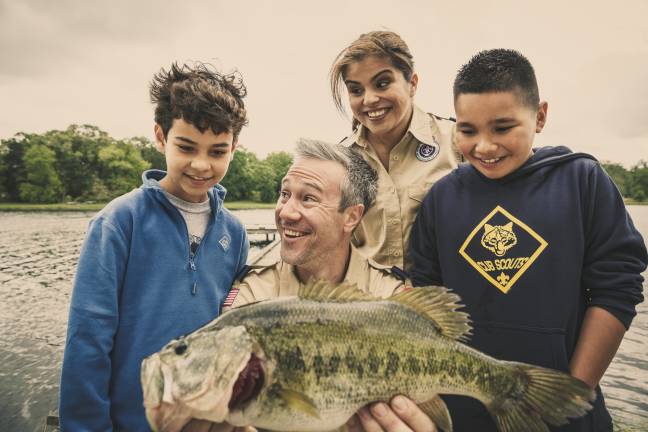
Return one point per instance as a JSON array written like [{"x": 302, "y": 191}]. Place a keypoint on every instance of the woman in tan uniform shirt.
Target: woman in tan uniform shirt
[{"x": 409, "y": 148}]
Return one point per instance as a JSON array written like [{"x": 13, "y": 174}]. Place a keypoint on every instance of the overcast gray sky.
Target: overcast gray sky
[{"x": 64, "y": 62}]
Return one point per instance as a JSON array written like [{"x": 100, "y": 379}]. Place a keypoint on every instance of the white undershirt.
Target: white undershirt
[{"x": 196, "y": 215}]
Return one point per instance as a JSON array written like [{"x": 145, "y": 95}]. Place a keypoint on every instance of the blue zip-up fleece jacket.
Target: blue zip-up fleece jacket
[
  {"x": 136, "y": 288},
  {"x": 528, "y": 254}
]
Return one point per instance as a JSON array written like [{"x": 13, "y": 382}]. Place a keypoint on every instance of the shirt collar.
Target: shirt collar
[
  {"x": 422, "y": 126},
  {"x": 288, "y": 275}
]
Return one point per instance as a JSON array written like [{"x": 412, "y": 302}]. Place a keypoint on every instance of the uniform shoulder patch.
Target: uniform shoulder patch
[{"x": 254, "y": 271}]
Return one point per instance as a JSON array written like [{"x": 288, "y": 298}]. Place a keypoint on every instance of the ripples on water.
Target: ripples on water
[{"x": 38, "y": 254}]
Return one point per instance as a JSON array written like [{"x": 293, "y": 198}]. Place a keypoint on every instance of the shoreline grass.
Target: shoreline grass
[
  {"x": 630, "y": 201},
  {"x": 95, "y": 207}
]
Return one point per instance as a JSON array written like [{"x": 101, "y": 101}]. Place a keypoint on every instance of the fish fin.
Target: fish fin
[
  {"x": 437, "y": 410},
  {"x": 320, "y": 290},
  {"x": 440, "y": 305},
  {"x": 299, "y": 402},
  {"x": 543, "y": 395}
]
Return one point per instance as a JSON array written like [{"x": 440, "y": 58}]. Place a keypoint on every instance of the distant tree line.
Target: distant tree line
[
  {"x": 83, "y": 163},
  {"x": 632, "y": 183}
]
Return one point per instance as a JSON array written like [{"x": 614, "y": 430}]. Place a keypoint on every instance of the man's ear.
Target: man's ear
[
  {"x": 541, "y": 116},
  {"x": 160, "y": 141},
  {"x": 352, "y": 217}
]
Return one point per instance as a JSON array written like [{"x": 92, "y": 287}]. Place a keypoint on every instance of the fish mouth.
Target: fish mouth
[
  {"x": 248, "y": 384},
  {"x": 167, "y": 417}
]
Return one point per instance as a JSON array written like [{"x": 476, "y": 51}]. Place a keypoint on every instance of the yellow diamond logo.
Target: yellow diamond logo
[{"x": 502, "y": 248}]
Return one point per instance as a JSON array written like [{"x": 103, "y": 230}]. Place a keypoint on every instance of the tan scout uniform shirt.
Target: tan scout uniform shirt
[
  {"x": 280, "y": 280},
  {"x": 383, "y": 233}
]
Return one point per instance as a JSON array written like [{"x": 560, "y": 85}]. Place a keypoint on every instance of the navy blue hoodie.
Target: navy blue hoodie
[{"x": 528, "y": 253}]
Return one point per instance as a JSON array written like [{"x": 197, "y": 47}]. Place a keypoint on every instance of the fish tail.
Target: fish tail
[{"x": 540, "y": 396}]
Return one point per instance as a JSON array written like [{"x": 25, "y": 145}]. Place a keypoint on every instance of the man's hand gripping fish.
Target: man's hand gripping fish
[{"x": 308, "y": 363}]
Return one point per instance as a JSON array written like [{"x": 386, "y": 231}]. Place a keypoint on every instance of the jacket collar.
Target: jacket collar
[{"x": 151, "y": 180}]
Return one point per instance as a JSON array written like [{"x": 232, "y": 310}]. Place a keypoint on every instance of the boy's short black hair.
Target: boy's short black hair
[
  {"x": 201, "y": 96},
  {"x": 498, "y": 70}
]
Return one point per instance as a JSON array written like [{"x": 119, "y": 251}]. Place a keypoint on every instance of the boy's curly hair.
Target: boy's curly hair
[{"x": 200, "y": 95}]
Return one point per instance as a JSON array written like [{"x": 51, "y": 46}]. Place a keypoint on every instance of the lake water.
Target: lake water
[{"x": 38, "y": 255}]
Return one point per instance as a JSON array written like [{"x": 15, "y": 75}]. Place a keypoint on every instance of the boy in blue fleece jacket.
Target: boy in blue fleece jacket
[
  {"x": 537, "y": 243},
  {"x": 158, "y": 261}
]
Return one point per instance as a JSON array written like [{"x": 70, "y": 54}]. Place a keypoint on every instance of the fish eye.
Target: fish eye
[{"x": 180, "y": 348}]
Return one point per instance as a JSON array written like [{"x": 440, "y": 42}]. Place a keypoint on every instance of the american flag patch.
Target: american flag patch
[{"x": 231, "y": 296}]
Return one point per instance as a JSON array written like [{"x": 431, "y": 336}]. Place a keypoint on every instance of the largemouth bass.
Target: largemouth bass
[{"x": 308, "y": 363}]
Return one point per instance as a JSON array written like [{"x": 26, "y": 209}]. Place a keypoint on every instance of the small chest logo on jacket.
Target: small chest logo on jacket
[
  {"x": 225, "y": 243},
  {"x": 501, "y": 248}
]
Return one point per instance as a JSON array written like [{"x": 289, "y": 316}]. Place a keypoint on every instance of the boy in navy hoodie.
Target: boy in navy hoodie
[
  {"x": 158, "y": 261},
  {"x": 537, "y": 242}
]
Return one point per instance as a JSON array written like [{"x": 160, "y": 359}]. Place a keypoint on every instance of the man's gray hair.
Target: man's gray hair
[{"x": 361, "y": 183}]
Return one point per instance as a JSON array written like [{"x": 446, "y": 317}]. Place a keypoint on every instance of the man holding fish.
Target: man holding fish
[
  {"x": 323, "y": 343},
  {"x": 323, "y": 197}
]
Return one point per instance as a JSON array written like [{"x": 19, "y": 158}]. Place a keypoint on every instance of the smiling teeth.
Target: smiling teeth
[
  {"x": 198, "y": 178},
  {"x": 490, "y": 161},
  {"x": 374, "y": 114},
  {"x": 292, "y": 233}
]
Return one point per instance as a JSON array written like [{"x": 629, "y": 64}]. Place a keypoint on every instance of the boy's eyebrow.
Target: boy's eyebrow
[
  {"x": 463, "y": 123},
  {"x": 496, "y": 121},
  {"x": 373, "y": 78},
  {"x": 504, "y": 120},
  {"x": 190, "y": 141}
]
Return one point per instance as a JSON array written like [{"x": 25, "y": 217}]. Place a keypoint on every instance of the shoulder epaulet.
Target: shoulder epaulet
[
  {"x": 241, "y": 274},
  {"x": 255, "y": 269},
  {"x": 399, "y": 273},
  {"x": 452, "y": 119}
]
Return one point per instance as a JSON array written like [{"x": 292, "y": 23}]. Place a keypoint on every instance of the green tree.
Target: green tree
[
  {"x": 42, "y": 184},
  {"x": 239, "y": 180},
  {"x": 121, "y": 167},
  {"x": 264, "y": 188},
  {"x": 149, "y": 152},
  {"x": 619, "y": 175},
  {"x": 639, "y": 181},
  {"x": 77, "y": 155},
  {"x": 279, "y": 162},
  {"x": 13, "y": 172}
]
